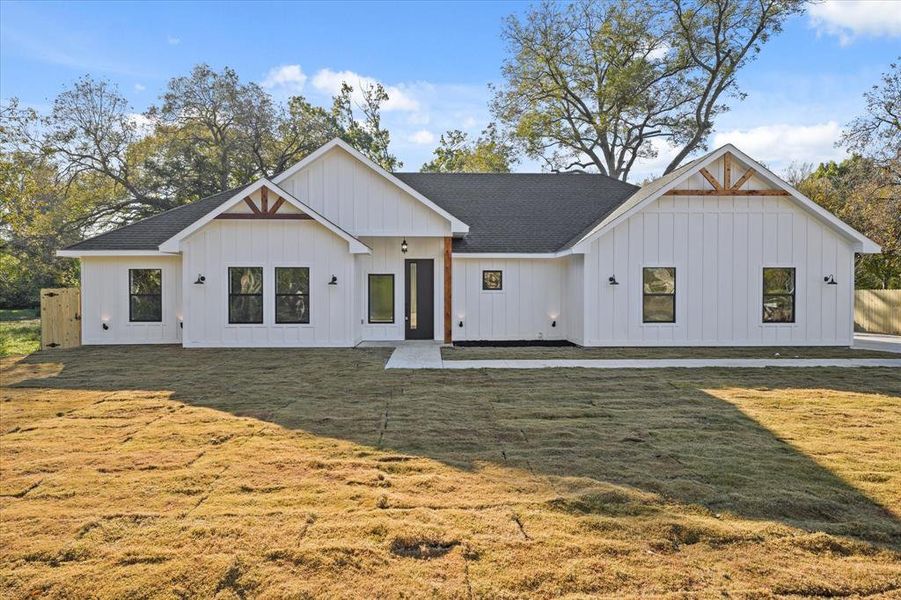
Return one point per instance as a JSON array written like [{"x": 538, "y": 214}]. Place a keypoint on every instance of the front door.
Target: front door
[{"x": 419, "y": 314}]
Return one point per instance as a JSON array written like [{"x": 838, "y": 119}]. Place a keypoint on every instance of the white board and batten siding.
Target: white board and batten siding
[
  {"x": 359, "y": 200},
  {"x": 719, "y": 247},
  {"x": 268, "y": 244},
  {"x": 105, "y": 298},
  {"x": 532, "y": 298}
]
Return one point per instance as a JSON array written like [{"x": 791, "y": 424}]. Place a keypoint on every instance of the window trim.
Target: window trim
[
  {"x": 369, "y": 299},
  {"x": 654, "y": 294},
  {"x": 131, "y": 318},
  {"x": 229, "y": 294},
  {"x": 500, "y": 273},
  {"x": 276, "y": 294},
  {"x": 793, "y": 295}
]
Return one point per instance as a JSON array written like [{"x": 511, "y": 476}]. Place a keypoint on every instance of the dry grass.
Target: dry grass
[
  {"x": 573, "y": 352},
  {"x": 163, "y": 472}
]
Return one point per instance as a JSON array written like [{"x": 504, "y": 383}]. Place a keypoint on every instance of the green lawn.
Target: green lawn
[
  {"x": 20, "y": 331},
  {"x": 161, "y": 472}
]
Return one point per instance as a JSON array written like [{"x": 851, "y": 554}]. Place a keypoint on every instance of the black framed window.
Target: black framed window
[
  {"x": 145, "y": 295},
  {"x": 292, "y": 295},
  {"x": 381, "y": 298},
  {"x": 658, "y": 295},
  {"x": 778, "y": 295},
  {"x": 492, "y": 280},
  {"x": 245, "y": 294}
]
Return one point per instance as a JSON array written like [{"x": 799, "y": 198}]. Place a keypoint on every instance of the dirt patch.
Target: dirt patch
[{"x": 421, "y": 548}]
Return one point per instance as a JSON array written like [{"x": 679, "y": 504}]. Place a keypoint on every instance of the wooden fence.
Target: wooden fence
[
  {"x": 877, "y": 311},
  {"x": 60, "y": 318}
]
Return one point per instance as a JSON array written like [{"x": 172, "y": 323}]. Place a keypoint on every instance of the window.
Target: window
[
  {"x": 292, "y": 295},
  {"x": 779, "y": 295},
  {"x": 145, "y": 295},
  {"x": 659, "y": 295},
  {"x": 492, "y": 280},
  {"x": 245, "y": 294},
  {"x": 381, "y": 298}
]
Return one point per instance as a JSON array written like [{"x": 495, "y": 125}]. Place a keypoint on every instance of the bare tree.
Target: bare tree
[{"x": 594, "y": 84}]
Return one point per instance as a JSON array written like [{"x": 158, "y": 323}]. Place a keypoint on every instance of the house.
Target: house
[{"x": 335, "y": 251}]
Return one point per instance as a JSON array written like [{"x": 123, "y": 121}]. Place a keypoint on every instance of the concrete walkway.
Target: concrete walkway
[
  {"x": 416, "y": 355},
  {"x": 673, "y": 363},
  {"x": 427, "y": 355},
  {"x": 878, "y": 341}
]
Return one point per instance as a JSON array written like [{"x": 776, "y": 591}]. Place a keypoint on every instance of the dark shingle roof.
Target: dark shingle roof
[
  {"x": 149, "y": 233},
  {"x": 506, "y": 212},
  {"x": 521, "y": 212}
]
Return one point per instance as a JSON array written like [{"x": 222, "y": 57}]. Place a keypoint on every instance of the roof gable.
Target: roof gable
[
  {"x": 173, "y": 243},
  {"x": 668, "y": 183},
  {"x": 456, "y": 225}
]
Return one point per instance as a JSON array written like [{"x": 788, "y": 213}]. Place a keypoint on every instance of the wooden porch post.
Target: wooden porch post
[{"x": 448, "y": 289}]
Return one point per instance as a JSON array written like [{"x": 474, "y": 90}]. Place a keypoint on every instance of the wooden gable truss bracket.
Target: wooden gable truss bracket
[
  {"x": 724, "y": 188},
  {"x": 264, "y": 211}
]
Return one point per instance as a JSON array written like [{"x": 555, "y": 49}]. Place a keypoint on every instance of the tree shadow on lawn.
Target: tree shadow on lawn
[{"x": 663, "y": 431}]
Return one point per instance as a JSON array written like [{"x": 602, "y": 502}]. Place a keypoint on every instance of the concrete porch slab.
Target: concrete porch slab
[{"x": 878, "y": 341}]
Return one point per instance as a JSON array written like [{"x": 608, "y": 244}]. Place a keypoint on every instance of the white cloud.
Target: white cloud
[
  {"x": 776, "y": 145},
  {"x": 139, "y": 87},
  {"x": 329, "y": 82},
  {"x": 848, "y": 19},
  {"x": 173, "y": 41},
  {"x": 423, "y": 136},
  {"x": 779, "y": 145},
  {"x": 142, "y": 123},
  {"x": 285, "y": 78}
]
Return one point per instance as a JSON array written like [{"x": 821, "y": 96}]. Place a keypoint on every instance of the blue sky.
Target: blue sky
[{"x": 436, "y": 59}]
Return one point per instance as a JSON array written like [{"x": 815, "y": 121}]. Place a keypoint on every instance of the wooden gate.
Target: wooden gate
[
  {"x": 877, "y": 311},
  {"x": 60, "y": 318}
]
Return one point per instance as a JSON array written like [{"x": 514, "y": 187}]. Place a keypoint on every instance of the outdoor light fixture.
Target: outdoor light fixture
[
  {"x": 553, "y": 323},
  {"x": 334, "y": 280},
  {"x": 460, "y": 324},
  {"x": 612, "y": 280},
  {"x": 105, "y": 326},
  {"x": 200, "y": 280},
  {"x": 404, "y": 246},
  {"x": 830, "y": 280}
]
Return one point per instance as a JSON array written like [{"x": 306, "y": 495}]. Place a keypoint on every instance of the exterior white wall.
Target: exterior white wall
[
  {"x": 268, "y": 244},
  {"x": 531, "y": 299},
  {"x": 719, "y": 246},
  {"x": 360, "y": 201},
  {"x": 574, "y": 289},
  {"x": 104, "y": 299},
  {"x": 387, "y": 258}
]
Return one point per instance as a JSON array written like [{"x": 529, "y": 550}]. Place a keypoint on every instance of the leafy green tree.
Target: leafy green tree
[
  {"x": 366, "y": 134},
  {"x": 92, "y": 163},
  {"x": 855, "y": 190},
  {"x": 877, "y": 134},
  {"x": 487, "y": 154},
  {"x": 594, "y": 84}
]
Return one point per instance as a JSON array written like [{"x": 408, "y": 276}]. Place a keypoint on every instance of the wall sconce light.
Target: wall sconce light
[
  {"x": 105, "y": 326},
  {"x": 460, "y": 324},
  {"x": 200, "y": 280},
  {"x": 553, "y": 323},
  {"x": 333, "y": 280},
  {"x": 612, "y": 280},
  {"x": 830, "y": 280},
  {"x": 403, "y": 246}
]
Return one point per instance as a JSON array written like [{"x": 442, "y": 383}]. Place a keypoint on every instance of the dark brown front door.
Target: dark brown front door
[{"x": 419, "y": 314}]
